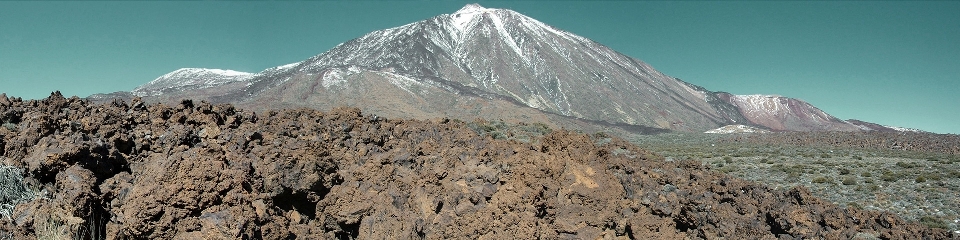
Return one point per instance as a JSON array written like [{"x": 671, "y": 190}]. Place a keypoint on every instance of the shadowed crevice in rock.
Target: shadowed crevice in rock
[{"x": 299, "y": 201}]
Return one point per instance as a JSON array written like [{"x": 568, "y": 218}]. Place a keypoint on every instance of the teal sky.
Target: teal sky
[{"x": 893, "y": 63}]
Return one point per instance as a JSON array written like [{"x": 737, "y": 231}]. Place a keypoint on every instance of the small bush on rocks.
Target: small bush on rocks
[
  {"x": 13, "y": 190},
  {"x": 822, "y": 179},
  {"x": 849, "y": 181}
]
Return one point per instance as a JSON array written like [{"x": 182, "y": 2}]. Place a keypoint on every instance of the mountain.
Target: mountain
[
  {"x": 494, "y": 64},
  {"x": 785, "y": 114}
]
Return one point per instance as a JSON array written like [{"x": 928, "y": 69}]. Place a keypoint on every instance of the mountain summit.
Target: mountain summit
[{"x": 489, "y": 63}]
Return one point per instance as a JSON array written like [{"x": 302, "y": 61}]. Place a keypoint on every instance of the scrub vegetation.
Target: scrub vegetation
[{"x": 876, "y": 171}]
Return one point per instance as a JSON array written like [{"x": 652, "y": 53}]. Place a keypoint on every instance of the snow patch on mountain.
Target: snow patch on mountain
[
  {"x": 903, "y": 129},
  {"x": 337, "y": 77},
  {"x": 737, "y": 129},
  {"x": 192, "y": 78},
  {"x": 760, "y": 103}
]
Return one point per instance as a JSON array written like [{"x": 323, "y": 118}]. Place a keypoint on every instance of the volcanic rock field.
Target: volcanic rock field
[{"x": 194, "y": 170}]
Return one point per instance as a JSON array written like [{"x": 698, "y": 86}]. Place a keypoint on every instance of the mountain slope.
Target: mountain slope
[
  {"x": 786, "y": 114},
  {"x": 481, "y": 62}
]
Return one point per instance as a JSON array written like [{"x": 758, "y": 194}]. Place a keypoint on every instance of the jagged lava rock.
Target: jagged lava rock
[{"x": 198, "y": 170}]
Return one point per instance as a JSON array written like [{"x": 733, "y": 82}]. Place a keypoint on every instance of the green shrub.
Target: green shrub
[
  {"x": 792, "y": 177},
  {"x": 953, "y": 174},
  {"x": 728, "y": 159},
  {"x": 824, "y": 155},
  {"x": 907, "y": 165},
  {"x": 481, "y": 127},
  {"x": 920, "y": 179},
  {"x": 822, "y": 179},
  {"x": 13, "y": 190},
  {"x": 498, "y": 135},
  {"x": 844, "y": 171},
  {"x": 10, "y": 126},
  {"x": 542, "y": 128},
  {"x": 849, "y": 181},
  {"x": 932, "y": 222},
  {"x": 866, "y": 174},
  {"x": 889, "y": 176}
]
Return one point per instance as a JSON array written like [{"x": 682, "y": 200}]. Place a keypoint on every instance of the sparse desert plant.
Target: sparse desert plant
[
  {"x": 13, "y": 190},
  {"x": 932, "y": 222},
  {"x": 920, "y": 179},
  {"x": 854, "y": 205},
  {"x": 52, "y": 229},
  {"x": 857, "y": 157},
  {"x": 792, "y": 177},
  {"x": 849, "y": 181},
  {"x": 889, "y": 176},
  {"x": 821, "y": 179},
  {"x": 844, "y": 171},
  {"x": 866, "y": 174},
  {"x": 498, "y": 135},
  {"x": 907, "y": 165},
  {"x": 953, "y": 174},
  {"x": 10, "y": 126},
  {"x": 933, "y": 176}
]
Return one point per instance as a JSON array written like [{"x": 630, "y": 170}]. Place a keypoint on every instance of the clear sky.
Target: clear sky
[{"x": 893, "y": 63}]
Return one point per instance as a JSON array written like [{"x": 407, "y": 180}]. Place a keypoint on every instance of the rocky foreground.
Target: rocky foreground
[{"x": 196, "y": 170}]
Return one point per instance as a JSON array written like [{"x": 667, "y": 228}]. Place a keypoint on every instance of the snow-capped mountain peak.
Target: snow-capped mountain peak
[{"x": 463, "y": 18}]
